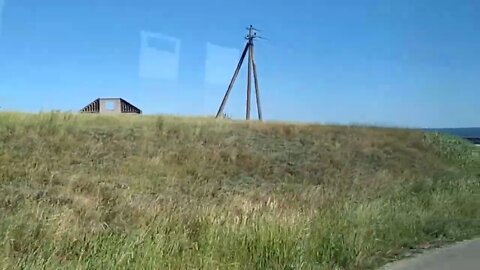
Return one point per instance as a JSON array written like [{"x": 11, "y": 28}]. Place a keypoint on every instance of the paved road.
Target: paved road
[{"x": 461, "y": 256}]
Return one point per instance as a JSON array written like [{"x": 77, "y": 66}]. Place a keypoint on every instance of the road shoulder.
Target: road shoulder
[{"x": 460, "y": 256}]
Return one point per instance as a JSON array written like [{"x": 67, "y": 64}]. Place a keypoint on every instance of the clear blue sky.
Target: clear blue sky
[{"x": 410, "y": 63}]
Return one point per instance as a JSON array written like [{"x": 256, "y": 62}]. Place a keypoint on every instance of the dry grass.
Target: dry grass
[{"x": 88, "y": 192}]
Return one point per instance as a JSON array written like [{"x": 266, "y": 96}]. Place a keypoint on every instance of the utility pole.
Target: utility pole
[{"x": 252, "y": 68}]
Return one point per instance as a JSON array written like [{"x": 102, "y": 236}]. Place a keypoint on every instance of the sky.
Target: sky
[{"x": 402, "y": 63}]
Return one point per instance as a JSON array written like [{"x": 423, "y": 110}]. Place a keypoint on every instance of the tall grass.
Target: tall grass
[{"x": 88, "y": 192}]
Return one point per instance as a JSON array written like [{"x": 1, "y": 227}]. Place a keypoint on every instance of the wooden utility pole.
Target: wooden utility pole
[
  {"x": 249, "y": 47},
  {"x": 257, "y": 88}
]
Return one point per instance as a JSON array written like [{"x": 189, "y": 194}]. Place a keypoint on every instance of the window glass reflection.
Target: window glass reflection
[{"x": 159, "y": 56}]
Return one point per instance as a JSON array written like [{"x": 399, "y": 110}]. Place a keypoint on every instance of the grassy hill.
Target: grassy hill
[{"x": 130, "y": 192}]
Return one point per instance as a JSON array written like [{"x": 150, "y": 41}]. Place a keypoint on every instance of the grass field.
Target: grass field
[{"x": 148, "y": 192}]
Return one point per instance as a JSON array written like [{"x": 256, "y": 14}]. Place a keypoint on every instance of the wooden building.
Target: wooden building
[{"x": 111, "y": 106}]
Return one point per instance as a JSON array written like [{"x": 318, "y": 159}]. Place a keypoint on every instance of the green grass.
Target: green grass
[{"x": 129, "y": 192}]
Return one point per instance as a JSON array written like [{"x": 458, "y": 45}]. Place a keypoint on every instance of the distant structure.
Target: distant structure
[
  {"x": 111, "y": 106},
  {"x": 252, "y": 68}
]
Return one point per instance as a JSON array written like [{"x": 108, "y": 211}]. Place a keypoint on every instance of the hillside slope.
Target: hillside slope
[{"x": 86, "y": 191}]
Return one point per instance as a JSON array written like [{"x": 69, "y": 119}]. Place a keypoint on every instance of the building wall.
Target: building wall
[{"x": 110, "y": 106}]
